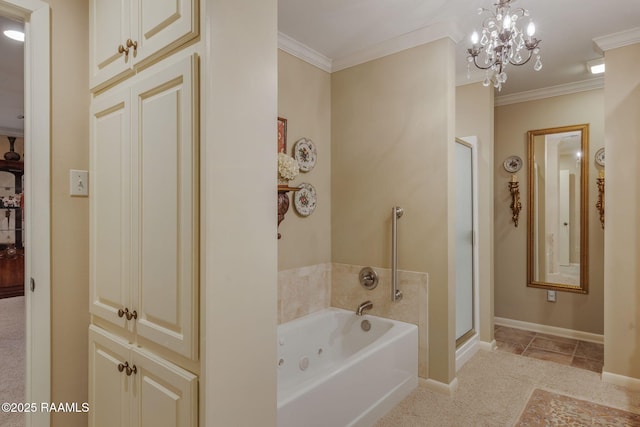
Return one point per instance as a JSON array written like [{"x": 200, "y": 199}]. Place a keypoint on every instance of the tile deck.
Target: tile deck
[{"x": 566, "y": 351}]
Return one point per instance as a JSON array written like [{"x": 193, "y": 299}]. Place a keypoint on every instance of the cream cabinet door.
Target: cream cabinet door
[
  {"x": 110, "y": 205},
  {"x": 159, "y": 26},
  {"x": 127, "y": 35},
  {"x": 110, "y": 27},
  {"x": 165, "y": 206},
  {"x": 109, "y": 389},
  {"x": 165, "y": 395}
]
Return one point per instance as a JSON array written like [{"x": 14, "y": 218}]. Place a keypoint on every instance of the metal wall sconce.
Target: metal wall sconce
[
  {"x": 516, "y": 206},
  {"x": 600, "y": 203},
  {"x": 283, "y": 202}
]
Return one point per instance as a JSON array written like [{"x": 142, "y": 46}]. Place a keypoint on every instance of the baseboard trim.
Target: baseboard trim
[
  {"x": 438, "y": 387},
  {"x": 466, "y": 351},
  {"x": 552, "y": 330},
  {"x": 620, "y": 380},
  {"x": 488, "y": 346}
]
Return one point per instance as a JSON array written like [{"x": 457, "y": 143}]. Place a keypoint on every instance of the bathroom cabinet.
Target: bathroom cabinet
[
  {"x": 144, "y": 269},
  {"x": 128, "y": 35},
  {"x": 144, "y": 278},
  {"x": 136, "y": 388}
]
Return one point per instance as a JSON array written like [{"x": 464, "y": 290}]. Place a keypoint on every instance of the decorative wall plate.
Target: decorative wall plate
[
  {"x": 305, "y": 153},
  {"x": 512, "y": 164},
  {"x": 304, "y": 200},
  {"x": 599, "y": 157}
]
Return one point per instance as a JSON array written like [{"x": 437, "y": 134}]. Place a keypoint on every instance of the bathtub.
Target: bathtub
[{"x": 332, "y": 373}]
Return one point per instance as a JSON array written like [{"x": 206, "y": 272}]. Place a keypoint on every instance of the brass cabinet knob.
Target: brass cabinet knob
[
  {"x": 122, "y": 367},
  {"x": 122, "y": 49},
  {"x": 120, "y": 312},
  {"x": 134, "y": 45},
  {"x": 131, "y": 370},
  {"x": 131, "y": 314}
]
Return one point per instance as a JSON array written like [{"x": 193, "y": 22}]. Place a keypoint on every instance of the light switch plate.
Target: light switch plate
[
  {"x": 78, "y": 183},
  {"x": 551, "y": 296}
]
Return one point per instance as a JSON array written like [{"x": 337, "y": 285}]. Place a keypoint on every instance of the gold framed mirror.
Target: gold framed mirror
[{"x": 557, "y": 220}]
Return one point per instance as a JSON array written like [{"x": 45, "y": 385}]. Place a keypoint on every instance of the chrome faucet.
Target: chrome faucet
[{"x": 367, "y": 305}]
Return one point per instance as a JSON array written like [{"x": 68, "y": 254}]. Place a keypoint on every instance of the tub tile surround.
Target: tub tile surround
[
  {"x": 303, "y": 291},
  {"x": 308, "y": 289}
]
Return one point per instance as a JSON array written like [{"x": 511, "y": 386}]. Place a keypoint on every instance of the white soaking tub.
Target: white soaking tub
[{"x": 332, "y": 373}]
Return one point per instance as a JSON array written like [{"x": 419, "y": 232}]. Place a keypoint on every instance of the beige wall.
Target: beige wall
[
  {"x": 392, "y": 144},
  {"x": 240, "y": 85},
  {"x": 622, "y": 235},
  {"x": 69, "y": 215},
  {"x": 513, "y": 299},
  {"x": 474, "y": 117},
  {"x": 304, "y": 99}
]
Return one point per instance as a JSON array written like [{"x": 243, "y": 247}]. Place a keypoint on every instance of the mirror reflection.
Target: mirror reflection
[{"x": 557, "y": 220}]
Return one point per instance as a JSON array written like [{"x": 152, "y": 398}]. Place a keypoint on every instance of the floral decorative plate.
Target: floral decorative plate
[
  {"x": 305, "y": 153},
  {"x": 599, "y": 157},
  {"x": 512, "y": 164},
  {"x": 304, "y": 200}
]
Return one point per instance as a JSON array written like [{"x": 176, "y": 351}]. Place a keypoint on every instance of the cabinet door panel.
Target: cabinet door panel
[
  {"x": 109, "y": 394},
  {"x": 110, "y": 27},
  {"x": 162, "y": 25},
  {"x": 110, "y": 220},
  {"x": 165, "y": 395},
  {"x": 166, "y": 207}
]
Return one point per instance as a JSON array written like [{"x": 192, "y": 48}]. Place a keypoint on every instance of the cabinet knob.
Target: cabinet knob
[
  {"x": 134, "y": 45},
  {"x": 120, "y": 312},
  {"x": 131, "y": 314},
  {"x": 122, "y": 49},
  {"x": 131, "y": 370},
  {"x": 122, "y": 367}
]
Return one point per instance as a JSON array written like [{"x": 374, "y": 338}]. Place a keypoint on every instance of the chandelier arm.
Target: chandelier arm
[
  {"x": 517, "y": 64},
  {"x": 475, "y": 62}
]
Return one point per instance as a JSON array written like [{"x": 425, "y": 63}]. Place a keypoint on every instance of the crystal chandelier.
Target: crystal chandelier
[{"x": 502, "y": 43}]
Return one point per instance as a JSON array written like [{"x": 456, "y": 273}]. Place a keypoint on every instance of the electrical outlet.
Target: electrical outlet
[
  {"x": 551, "y": 296},
  {"x": 78, "y": 183}
]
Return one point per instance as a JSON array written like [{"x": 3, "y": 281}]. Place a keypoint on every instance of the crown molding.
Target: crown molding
[
  {"x": 616, "y": 40},
  {"x": 304, "y": 52},
  {"x": 548, "y": 92},
  {"x": 406, "y": 41}
]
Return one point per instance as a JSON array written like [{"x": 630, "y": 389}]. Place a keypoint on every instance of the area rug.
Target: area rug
[{"x": 545, "y": 408}]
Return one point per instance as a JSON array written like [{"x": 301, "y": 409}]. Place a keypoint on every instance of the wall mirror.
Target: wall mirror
[{"x": 557, "y": 223}]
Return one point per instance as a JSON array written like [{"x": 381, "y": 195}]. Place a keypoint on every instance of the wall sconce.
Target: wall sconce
[
  {"x": 283, "y": 202},
  {"x": 600, "y": 203},
  {"x": 516, "y": 206}
]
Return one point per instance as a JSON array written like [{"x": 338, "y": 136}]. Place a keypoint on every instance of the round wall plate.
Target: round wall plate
[
  {"x": 512, "y": 164},
  {"x": 599, "y": 157},
  {"x": 368, "y": 278},
  {"x": 304, "y": 199}
]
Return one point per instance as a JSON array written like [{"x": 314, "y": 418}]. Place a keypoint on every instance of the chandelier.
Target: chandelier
[{"x": 502, "y": 42}]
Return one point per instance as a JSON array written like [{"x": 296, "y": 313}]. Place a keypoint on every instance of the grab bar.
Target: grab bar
[{"x": 396, "y": 213}]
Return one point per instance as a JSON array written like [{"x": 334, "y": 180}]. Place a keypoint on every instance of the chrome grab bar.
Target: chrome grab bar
[{"x": 396, "y": 213}]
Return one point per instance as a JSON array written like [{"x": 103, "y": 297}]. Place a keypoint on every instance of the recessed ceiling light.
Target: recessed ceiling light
[
  {"x": 15, "y": 35},
  {"x": 596, "y": 66}
]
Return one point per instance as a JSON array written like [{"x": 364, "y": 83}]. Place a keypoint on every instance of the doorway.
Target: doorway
[{"x": 37, "y": 237}]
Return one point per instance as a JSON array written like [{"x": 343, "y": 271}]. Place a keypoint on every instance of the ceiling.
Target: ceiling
[
  {"x": 11, "y": 80},
  {"x": 348, "y": 32}
]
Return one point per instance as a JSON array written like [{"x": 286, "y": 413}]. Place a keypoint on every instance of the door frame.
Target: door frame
[
  {"x": 37, "y": 190},
  {"x": 470, "y": 346}
]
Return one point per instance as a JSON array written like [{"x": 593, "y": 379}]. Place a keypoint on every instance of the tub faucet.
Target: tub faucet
[{"x": 367, "y": 305}]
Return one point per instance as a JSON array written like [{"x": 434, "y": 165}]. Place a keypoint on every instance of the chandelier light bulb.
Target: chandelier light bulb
[
  {"x": 506, "y": 24},
  {"x": 531, "y": 29},
  {"x": 474, "y": 38}
]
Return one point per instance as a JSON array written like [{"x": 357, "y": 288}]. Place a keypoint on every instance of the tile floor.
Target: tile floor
[{"x": 566, "y": 351}]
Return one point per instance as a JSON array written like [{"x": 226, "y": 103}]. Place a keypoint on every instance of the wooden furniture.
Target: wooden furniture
[{"x": 12, "y": 254}]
